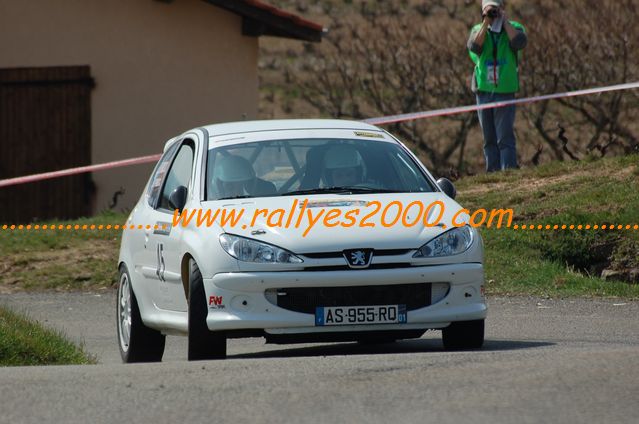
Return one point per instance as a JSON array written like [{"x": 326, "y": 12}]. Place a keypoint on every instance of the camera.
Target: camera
[{"x": 493, "y": 13}]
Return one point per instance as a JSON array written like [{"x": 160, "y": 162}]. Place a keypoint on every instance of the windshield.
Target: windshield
[{"x": 309, "y": 166}]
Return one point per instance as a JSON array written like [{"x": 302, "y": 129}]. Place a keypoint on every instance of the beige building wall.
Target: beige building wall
[{"x": 159, "y": 68}]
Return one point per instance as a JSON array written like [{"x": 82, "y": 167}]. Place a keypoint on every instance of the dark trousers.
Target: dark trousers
[{"x": 497, "y": 125}]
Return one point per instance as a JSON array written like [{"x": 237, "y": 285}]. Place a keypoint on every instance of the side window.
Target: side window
[
  {"x": 153, "y": 192},
  {"x": 179, "y": 174}
]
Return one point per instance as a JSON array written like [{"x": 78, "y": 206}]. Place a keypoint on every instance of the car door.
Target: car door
[
  {"x": 162, "y": 239},
  {"x": 145, "y": 261}
]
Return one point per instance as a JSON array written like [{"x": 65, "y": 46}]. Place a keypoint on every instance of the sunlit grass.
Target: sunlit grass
[{"x": 24, "y": 341}]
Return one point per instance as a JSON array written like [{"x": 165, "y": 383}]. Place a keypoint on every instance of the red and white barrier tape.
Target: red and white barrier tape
[
  {"x": 383, "y": 120},
  {"x": 79, "y": 170}
]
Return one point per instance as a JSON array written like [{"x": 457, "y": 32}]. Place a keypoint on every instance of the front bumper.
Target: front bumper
[{"x": 237, "y": 300}]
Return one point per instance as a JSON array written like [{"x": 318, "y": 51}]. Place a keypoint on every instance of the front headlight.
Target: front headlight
[
  {"x": 249, "y": 250},
  {"x": 452, "y": 242}
]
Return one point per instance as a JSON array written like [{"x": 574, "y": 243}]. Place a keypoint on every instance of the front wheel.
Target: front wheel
[
  {"x": 204, "y": 344},
  {"x": 464, "y": 335},
  {"x": 137, "y": 342}
]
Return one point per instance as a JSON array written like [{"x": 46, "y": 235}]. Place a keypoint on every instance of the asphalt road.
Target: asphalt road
[{"x": 544, "y": 361}]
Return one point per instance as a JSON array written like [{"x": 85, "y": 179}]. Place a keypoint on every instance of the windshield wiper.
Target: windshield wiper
[
  {"x": 339, "y": 190},
  {"x": 242, "y": 196},
  {"x": 357, "y": 189}
]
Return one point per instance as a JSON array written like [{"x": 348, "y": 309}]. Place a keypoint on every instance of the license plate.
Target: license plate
[{"x": 350, "y": 315}]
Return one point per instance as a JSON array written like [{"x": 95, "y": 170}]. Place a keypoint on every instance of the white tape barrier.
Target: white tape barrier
[
  {"x": 384, "y": 120},
  {"x": 79, "y": 170}
]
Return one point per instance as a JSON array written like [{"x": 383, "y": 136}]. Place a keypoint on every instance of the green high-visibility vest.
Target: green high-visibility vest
[{"x": 503, "y": 78}]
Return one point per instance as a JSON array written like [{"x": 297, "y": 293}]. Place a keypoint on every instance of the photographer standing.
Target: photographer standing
[{"x": 494, "y": 47}]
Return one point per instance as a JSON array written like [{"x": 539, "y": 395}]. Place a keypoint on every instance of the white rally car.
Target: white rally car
[{"x": 299, "y": 231}]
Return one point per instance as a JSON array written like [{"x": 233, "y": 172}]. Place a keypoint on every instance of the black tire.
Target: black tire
[
  {"x": 141, "y": 344},
  {"x": 464, "y": 335},
  {"x": 204, "y": 344}
]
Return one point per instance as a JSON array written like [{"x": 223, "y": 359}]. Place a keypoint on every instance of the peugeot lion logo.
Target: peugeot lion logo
[{"x": 358, "y": 258}]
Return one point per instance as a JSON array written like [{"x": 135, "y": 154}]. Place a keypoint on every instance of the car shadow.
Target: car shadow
[{"x": 400, "y": 347}]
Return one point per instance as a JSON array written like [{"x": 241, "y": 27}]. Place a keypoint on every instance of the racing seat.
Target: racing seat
[
  {"x": 260, "y": 187},
  {"x": 314, "y": 168}
]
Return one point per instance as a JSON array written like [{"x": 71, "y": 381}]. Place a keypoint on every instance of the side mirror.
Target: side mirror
[
  {"x": 447, "y": 187},
  {"x": 177, "y": 199}
]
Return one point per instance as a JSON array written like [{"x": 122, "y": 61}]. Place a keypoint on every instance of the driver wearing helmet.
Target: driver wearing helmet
[
  {"x": 232, "y": 176},
  {"x": 343, "y": 166}
]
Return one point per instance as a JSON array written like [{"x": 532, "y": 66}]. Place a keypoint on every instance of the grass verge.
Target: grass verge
[
  {"x": 24, "y": 341},
  {"x": 55, "y": 259},
  {"x": 561, "y": 262}
]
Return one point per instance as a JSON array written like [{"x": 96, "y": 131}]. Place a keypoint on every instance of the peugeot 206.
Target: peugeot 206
[{"x": 295, "y": 231}]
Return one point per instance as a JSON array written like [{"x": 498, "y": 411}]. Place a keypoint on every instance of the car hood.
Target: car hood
[{"x": 283, "y": 227}]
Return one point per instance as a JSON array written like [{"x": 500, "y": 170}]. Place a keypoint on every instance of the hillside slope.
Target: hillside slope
[{"x": 598, "y": 195}]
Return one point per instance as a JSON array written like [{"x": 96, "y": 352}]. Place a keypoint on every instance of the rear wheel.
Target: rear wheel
[
  {"x": 464, "y": 335},
  {"x": 137, "y": 342},
  {"x": 203, "y": 343}
]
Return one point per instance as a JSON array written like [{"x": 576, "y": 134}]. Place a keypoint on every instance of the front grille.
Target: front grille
[
  {"x": 306, "y": 299},
  {"x": 332, "y": 255},
  {"x": 348, "y": 268}
]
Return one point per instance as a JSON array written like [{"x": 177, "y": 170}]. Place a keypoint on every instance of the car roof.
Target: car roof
[
  {"x": 286, "y": 124},
  {"x": 248, "y": 127}
]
